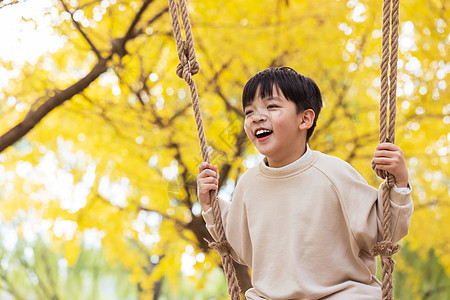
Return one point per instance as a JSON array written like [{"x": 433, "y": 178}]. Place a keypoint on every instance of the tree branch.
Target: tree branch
[
  {"x": 103, "y": 114},
  {"x": 77, "y": 25},
  {"x": 2, "y": 5},
  {"x": 9, "y": 287},
  {"x": 215, "y": 79},
  {"x": 42, "y": 287},
  {"x": 35, "y": 116},
  {"x": 152, "y": 20},
  {"x": 130, "y": 33},
  {"x": 119, "y": 44}
]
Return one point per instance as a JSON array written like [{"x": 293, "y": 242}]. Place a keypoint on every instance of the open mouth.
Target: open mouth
[{"x": 262, "y": 133}]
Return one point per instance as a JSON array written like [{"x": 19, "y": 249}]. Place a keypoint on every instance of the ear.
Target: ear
[{"x": 306, "y": 119}]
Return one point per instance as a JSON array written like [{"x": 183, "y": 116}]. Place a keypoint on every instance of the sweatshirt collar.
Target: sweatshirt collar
[{"x": 296, "y": 165}]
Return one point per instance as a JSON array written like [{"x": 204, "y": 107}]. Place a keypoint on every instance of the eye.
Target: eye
[
  {"x": 248, "y": 112},
  {"x": 272, "y": 106}
]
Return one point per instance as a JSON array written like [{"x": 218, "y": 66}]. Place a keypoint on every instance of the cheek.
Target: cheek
[
  {"x": 276, "y": 114},
  {"x": 286, "y": 125},
  {"x": 247, "y": 128}
]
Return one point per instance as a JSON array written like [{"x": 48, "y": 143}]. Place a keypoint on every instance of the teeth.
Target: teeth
[{"x": 262, "y": 131}]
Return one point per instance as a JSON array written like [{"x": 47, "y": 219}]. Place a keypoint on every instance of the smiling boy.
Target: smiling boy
[{"x": 303, "y": 221}]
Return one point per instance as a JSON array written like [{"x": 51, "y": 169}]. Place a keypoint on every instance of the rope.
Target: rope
[
  {"x": 389, "y": 58},
  {"x": 188, "y": 67}
]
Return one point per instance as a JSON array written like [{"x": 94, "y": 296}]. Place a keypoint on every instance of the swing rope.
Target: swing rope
[
  {"x": 389, "y": 58},
  {"x": 188, "y": 67}
]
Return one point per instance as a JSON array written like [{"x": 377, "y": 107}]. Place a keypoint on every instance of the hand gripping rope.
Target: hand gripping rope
[
  {"x": 389, "y": 58},
  {"x": 188, "y": 67}
]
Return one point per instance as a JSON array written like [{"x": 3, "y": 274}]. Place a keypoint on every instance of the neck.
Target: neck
[{"x": 286, "y": 160}]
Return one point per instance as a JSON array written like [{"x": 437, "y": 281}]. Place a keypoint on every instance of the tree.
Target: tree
[
  {"x": 107, "y": 114},
  {"x": 434, "y": 282},
  {"x": 30, "y": 269}
]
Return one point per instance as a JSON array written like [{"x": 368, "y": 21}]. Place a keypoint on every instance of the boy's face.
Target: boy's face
[{"x": 273, "y": 126}]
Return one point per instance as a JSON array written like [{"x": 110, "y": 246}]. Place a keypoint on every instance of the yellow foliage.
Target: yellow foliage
[
  {"x": 71, "y": 252},
  {"x": 121, "y": 156}
]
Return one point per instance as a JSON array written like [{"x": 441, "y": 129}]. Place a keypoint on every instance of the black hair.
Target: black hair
[{"x": 301, "y": 90}]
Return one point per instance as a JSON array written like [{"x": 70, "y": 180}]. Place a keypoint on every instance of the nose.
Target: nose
[{"x": 260, "y": 117}]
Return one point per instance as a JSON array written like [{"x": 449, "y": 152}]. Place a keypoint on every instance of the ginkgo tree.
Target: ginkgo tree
[{"x": 99, "y": 136}]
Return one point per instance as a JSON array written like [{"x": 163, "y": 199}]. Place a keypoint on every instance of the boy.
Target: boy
[{"x": 303, "y": 221}]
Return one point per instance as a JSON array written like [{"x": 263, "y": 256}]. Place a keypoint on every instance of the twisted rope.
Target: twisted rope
[
  {"x": 389, "y": 58},
  {"x": 188, "y": 67}
]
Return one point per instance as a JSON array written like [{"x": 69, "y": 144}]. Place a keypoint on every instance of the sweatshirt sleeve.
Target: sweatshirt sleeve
[
  {"x": 234, "y": 222},
  {"x": 362, "y": 205},
  {"x": 401, "y": 211},
  {"x": 208, "y": 216},
  {"x": 363, "y": 209}
]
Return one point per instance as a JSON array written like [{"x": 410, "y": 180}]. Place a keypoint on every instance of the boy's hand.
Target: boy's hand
[
  {"x": 206, "y": 181},
  {"x": 389, "y": 157}
]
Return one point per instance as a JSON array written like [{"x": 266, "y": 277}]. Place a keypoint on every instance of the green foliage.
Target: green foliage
[
  {"x": 215, "y": 288},
  {"x": 433, "y": 283},
  {"x": 33, "y": 271}
]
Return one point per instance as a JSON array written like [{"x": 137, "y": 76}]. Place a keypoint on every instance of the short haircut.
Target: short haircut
[{"x": 301, "y": 90}]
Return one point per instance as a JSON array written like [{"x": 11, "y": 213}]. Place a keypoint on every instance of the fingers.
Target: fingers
[
  {"x": 387, "y": 146},
  {"x": 205, "y": 188},
  {"x": 207, "y": 173},
  {"x": 208, "y": 182},
  {"x": 386, "y": 164},
  {"x": 386, "y": 152},
  {"x": 207, "y": 178},
  {"x": 204, "y": 166},
  {"x": 389, "y": 157},
  {"x": 382, "y": 163}
]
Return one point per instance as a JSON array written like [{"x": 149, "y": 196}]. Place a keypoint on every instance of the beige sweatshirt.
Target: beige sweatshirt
[{"x": 305, "y": 229}]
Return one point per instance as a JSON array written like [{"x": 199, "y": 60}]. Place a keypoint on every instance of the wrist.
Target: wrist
[
  {"x": 206, "y": 207},
  {"x": 401, "y": 184}
]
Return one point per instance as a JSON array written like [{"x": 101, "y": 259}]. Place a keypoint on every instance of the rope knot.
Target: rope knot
[
  {"x": 187, "y": 67},
  {"x": 385, "y": 249},
  {"x": 223, "y": 247}
]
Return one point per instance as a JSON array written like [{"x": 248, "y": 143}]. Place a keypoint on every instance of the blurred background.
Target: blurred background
[{"x": 99, "y": 150}]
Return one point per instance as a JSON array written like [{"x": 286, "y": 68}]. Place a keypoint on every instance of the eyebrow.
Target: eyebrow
[
  {"x": 278, "y": 99},
  {"x": 272, "y": 98}
]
